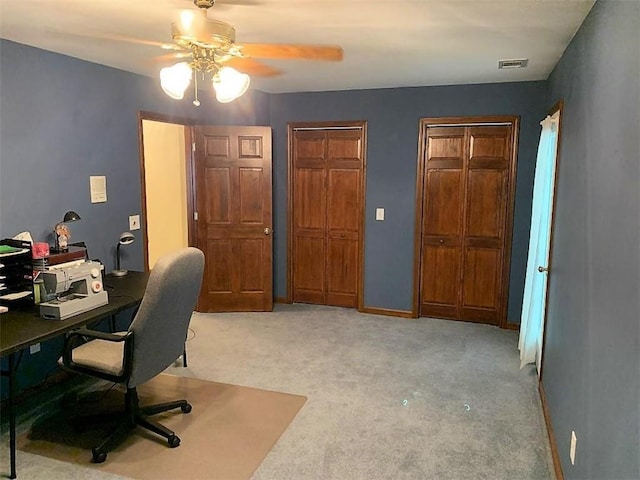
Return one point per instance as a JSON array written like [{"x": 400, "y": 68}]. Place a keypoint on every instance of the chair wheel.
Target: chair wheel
[
  {"x": 99, "y": 456},
  {"x": 186, "y": 408},
  {"x": 173, "y": 441}
]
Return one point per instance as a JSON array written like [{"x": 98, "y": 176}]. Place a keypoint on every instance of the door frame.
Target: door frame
[
  {"x": 190, "y": 188},
  {"x": 425, "y": 123},
  {"x": 291, "y": 127},
  {"x": 557, "y": 107}
]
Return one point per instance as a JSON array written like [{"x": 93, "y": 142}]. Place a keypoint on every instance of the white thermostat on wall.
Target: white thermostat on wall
[{"x": 98, "y": 188}]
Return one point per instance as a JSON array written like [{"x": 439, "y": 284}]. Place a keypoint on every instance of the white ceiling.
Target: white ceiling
[{"x": 392, "y": 43}]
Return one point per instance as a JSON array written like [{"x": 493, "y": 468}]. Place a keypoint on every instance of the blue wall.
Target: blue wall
[
  {"x": 591, "y": 372},
  {"x": 393, "y": 117}
]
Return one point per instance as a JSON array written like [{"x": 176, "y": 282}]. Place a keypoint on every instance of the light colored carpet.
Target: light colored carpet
[
  {"x": 226, "y": 436},
  {"x": 388, "y": 398}
]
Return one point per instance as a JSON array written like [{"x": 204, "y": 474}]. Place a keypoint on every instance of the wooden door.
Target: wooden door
[
  {"x": 327, "y": 181},
  {"x": 233, "y": 203},
  {"x": 466, "y": 203}
]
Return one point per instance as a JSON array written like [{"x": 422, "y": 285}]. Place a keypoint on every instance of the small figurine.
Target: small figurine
[{"x": 62, "y": 234}]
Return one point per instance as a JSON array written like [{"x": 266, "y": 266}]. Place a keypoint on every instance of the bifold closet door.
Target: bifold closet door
[
  {"x": 468, "y": 172},
  {"x": 327, "y": 183}
]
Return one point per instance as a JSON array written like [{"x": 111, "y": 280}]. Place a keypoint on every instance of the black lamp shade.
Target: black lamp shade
[{"x": 70, "y": 216}]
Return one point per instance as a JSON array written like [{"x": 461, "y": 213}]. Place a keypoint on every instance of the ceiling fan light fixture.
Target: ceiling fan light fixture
[
  {"x": 175, "y": 80},
  {"x": 230, "y": 84}
]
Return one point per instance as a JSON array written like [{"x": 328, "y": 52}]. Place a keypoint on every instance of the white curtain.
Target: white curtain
[{"x": 535, "y": 286}]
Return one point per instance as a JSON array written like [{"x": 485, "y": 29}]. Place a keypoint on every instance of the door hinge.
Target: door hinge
[
  {"x": 195, "y": 216},
  {"x": 193, "y": 146}
]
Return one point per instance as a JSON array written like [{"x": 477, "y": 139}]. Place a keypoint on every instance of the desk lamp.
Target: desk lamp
[
  {"x": 126, "y": 238},
  {"x": 62, "y": 232}
]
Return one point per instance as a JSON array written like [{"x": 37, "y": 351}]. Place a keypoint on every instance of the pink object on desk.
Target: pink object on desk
[{"x": 40, "y": 250}]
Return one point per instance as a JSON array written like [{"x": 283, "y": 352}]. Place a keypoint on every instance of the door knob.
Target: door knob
[
  {"x": 542, "y": 269},
  {"x": 267, "y": 230}
]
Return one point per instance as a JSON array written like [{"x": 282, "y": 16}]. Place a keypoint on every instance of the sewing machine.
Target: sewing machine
[{"x": 72, "y": 288}]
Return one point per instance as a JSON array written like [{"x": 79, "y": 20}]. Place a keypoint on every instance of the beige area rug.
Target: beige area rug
[{"x": 227, "y": 435}]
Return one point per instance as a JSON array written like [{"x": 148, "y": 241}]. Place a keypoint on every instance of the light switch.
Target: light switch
[
  {"x": 380, "y": 214},
  {"x": 134, "y": 222}
]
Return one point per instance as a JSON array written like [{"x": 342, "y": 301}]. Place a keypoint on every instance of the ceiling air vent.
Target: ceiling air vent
[{"x": 514, "y": 63}]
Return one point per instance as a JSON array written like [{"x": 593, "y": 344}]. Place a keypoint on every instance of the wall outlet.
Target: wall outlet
[
  {"x": 134, "y": 222},
  {"x": 572, "y": 449},
  {"x": 380, "y": 214},
  {"x": 35, "y": 348}
]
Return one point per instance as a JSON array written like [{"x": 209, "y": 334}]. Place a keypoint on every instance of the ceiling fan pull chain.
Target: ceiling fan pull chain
[{"x": 196, "y": 102}]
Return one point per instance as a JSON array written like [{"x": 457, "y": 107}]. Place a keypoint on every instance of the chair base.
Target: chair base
[{"x": 134, "y": 415}]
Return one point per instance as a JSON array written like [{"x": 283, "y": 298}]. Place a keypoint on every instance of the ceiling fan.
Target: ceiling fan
[{"x": 209, "y": 47}]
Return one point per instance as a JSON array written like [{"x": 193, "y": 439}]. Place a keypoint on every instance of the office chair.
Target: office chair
[
  {"x": 135, "y": 311},
  {"x": 153, "y": 341}
]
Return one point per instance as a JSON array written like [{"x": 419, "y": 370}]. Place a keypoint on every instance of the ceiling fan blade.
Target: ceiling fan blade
[
  {"x": 176, "y": 57},
  {"x": 331, "y": 53},
  {"x": 139, "y": 41},
  {"x": 244, "y": 3},
  {"x": 252, "y": 67},
  {"x": 119, "y": 38}
]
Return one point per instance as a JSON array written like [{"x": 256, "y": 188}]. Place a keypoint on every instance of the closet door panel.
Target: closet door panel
[
  {"x": 441, "y": 277},
  {"x": 343, "y": 220},
  {"x": 485, "y": 203},
  {"x": 309, "y": 146},
  {"x": 444, "y": 144},
  {"x": 342, "y": 272},
  {"x": 309, "y": 269},
  {"x": 443, "y": 213},
  {"x": 309, "y": 233},
  {"x": 442, "y": 222},
  {"x": 480, "y": 286},
  {"x": 344, "y": 146},
  {"x": 343, "y": 190},
  {"x": 486, "y": 209},
  {"x": 310, "y": 198}
]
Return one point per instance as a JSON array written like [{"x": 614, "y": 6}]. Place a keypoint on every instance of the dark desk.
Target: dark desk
[{"x": 22, "y": 328}]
